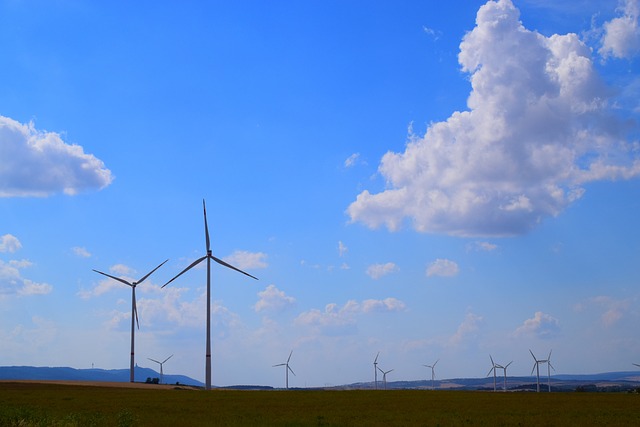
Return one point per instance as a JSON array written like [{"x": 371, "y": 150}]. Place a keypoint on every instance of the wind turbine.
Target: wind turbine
[
  {"x": 208, "y": 257},
  {"x": 494, "y": 368},
  {"x": 433, "y": 373},
  {"x": 536, "y": 367},
  {"x": 375, "y": 370},
  {"x": 134, "y": 310},
  {"x": 160, "y": 363},
  {"x": 505, "y": 374},
  {"x": 384, "y": 377},
  {"x": 287, "y": 369}
]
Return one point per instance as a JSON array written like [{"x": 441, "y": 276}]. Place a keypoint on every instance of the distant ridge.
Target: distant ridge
[{"x": 103, "y": 375}]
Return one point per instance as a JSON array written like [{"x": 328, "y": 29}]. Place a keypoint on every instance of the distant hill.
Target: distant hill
[{"x": 72, "y": 374}]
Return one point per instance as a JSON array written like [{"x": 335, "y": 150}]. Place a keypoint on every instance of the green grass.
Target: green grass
[{"x": 47, "y": 405}]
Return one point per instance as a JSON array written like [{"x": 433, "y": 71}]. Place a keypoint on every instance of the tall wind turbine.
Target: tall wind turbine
[
  {"x": 160, "y": 363},
  {"x": 208, "y": 257},
  {"x": 536, "y": 367},
  {"x": 287, "y": 369},
  {"x": 433, "y": 373},
  {"x": 375, "y": 370},
  {"x": 134, "y": 310},
  {"x": 384, "y": 377}
]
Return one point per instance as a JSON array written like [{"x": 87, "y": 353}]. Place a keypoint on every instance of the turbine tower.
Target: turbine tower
[
  {"x": 505, "y": 374},
  {"x": 536, "y": 367},
  {"x": 384, "y": 377},
  {"x": 134, "y": 311},
  {"x": 160, "y": 363},
  {"x": 208, "y": 257},
  {"x": 375, "y": 370},
  {"x": 287, "y": 369},
  {"x": 433, "y": 373}
]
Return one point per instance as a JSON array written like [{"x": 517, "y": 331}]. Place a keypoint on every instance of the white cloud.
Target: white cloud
[
  {"x": 621, "y": 37},
  {"x": 376, "y": 271},
  {"x": 482, "y": 246},
  {"x": 81, "y": 252},
  {"x": 39, "y": 163},
  {"x": 541, "y": 325},
  {"x": 342, "y": 249},
  {"x": 247, "y": 260},
  {"x": 9, "y": 243},
  {"x": 273, "y": 299},
  {"x": 612, "y": 310},
  {"x": 342, "y": 320},
  {"x": 539, "y": 125},
  {"x": 467, "y": 328},
  {"x": 351, "y": 160},
  {"x": 442, "y": 267},
  {"x": 12, "y": 282}
]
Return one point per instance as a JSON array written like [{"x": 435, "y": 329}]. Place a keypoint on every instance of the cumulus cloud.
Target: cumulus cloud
[
  {"x": 12, "y": 282},
  {"x": 273, "y": 299},
  {"x": 442, "y": 268},
  {"x": 9, "y": 243},
  {"x": 247, "y": 260},
  {"x": 376, "y": 271},
  {"x": 39, "y": 163},
  {"x": 539, "y": 125},
  {"x": 541, "y": 325},
  {"x": 621, "y": 38},
  {"x": 342, "y": 320}
]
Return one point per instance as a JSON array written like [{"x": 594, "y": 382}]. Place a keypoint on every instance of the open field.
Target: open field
[{"x": 54, "y": 404}]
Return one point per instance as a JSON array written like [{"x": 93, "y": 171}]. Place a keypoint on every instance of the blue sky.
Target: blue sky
[{"x": 427, "y": 180}]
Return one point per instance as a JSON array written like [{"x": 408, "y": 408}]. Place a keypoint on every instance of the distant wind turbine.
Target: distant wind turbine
[
  {"x": 208, "y": 257},
  {"x": 536, "y": 367},
  {"x": 505, "y": 374},
  {"x": 494, "y": 368},
  {"x": 134, "y": 310},
  {"x": 375, "y": 370},
  {"x": 287, "y": 369},
  {"x": 160, "y": 363},
  {"x": 433, "y": 373},
  {"x": 384, "y": 376}
]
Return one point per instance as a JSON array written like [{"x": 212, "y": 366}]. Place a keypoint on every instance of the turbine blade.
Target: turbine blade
[
  {"x": 114, "y": 278},
  {"x": 380, "y": 369},
  {"x": 391, "y": 370},
  {"x": 219, "y": 261},
  {"x": 135, "y": 305},
  {"x": 193, "y": 264},
  {"x": 534, "y": 358},
  {"x": 534, "y": 367},
  {"x": 492, "y": 362},
  {"x": 508, "y": 364},
  {"x": 551, "y": 366},
  {"x": 376, "y": 360},
  {"x": 289, "y": 358},
  {"x": 549, "y": 357},
  {"x": 491, "y": 370},
  {"x": 150, "y": 273},
  {"x": 153, "y": 360},
  {"x": 279, "y": 364},
  {"x": 636, "y": 365},
  {"x": 168, "y": 358},
  {"x": 206, "y": 228},
  {"x": 289, "y": 367},
  {"x": 434, "y": 365}
]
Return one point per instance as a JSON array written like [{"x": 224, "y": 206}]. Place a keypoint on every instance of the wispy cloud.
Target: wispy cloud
[
  {"x": 482, "y": 246},
  {"x": 540, "y": 124},
  {"x": 443, "y": 268},
  {"x": 613, "y": 310},
  {"x": 342, "y": 249},
  {"x": 81, "y": 252},
  {"x": 351, "y": 160},
  {"x": 61, "y": 167},
  {"x": 12, "y": 282},
  {"x": 376, "y": 271},
  {"x": 247, "y": 260},
  {"x": 541, "y": 325},
  {"x": 467, "y": 328}
]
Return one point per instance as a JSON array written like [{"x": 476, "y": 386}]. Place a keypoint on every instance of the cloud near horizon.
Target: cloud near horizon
[
  {"x": 39, "y": 163},
  {"x": 540, "y": 124}
]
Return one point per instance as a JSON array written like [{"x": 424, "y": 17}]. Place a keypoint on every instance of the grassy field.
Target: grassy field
[{"x": 27, "y": 404}]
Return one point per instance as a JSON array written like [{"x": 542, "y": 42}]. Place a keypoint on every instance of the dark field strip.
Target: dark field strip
[{"x": 24, "y": 404}]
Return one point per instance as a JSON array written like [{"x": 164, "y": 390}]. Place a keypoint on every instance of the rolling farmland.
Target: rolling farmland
[{"x": 28, "y": 404}]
